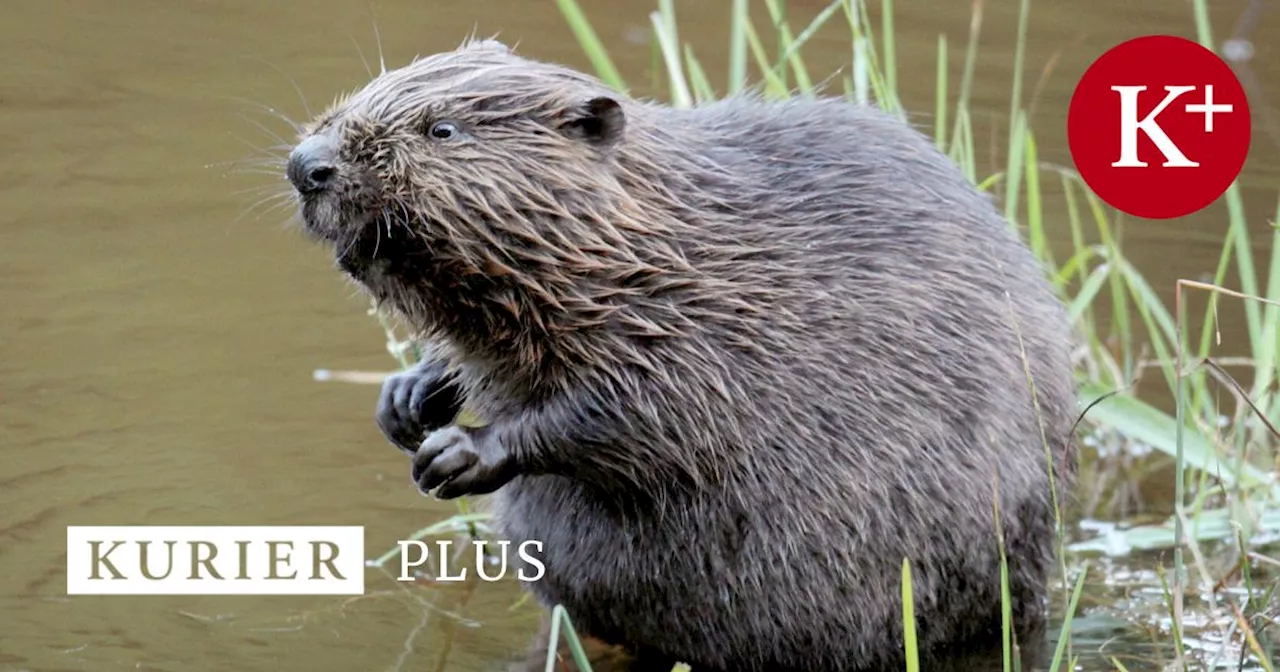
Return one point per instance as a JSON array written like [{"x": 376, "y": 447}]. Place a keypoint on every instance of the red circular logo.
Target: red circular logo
[{"x": 1159, "y": 127}]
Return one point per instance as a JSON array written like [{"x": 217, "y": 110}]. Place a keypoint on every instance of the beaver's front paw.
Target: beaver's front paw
[
  {"x": 457, "y": 461},
  {"x": 416, "y": 402}
]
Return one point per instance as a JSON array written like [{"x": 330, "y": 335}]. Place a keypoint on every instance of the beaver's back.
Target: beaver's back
[
  {"x": 881, "y": 391},
  {"x": 889, "y": 274}
]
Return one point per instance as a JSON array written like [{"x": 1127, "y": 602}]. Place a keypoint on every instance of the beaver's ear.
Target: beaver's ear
[{"x": 599, "y": 121}]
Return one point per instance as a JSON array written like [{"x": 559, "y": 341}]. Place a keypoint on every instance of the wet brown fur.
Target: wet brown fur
[{"x": 746, "y": 357}]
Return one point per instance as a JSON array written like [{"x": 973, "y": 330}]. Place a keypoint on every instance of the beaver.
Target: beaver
[{"x": 735, "y": 361}]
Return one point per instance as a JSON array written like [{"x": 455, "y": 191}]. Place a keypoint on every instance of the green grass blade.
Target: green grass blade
[
  {"x": 1266, "y": 366},
  {"x": 1119, "y": 297},
  {"x": 1204, "y": 28},
  {"x": 1065, "y": 638},
  {"x": 1088, "y": 291},
  {"x": 559, "y": 620},
  {"x": 738, "y": 47},
  {"x": 966, "y": 77},
  {"x": 1006, "y": 598},
  {"x": 788, "y": 54},
  {"x": 774, "y": 86},
  {"x": 702, "y": 89},
  {"x": 1006, "y": 615},
  {"x": 967, "y": 155},
  {"x": 858, "y": 23},
  {"x": 1035, "y": 208},
  {"x": 1017, "y": 116},
  {"x": 940, "y": 97},
  {"x": 1074, "y": 220},
  {"x": 890, "y": 52},
  {"x": 1019, "y": 58},
  {"x": 1076, "y": 266},
  {"x": 791, "y": 54},
  {"x": 909, "y": 619},
  {"x": 1244, "y": 262},
  {"x": 861, "y": 61},
  {"x": 664, "y": 29},
  {"x": 991, "y": 181},
  {"x": 590, "y": 43},
  {"x": 1013, "y": 171},
  {"x": 1162, "y": 332},
  {"x": 1202, "y": 400},
  {"x": 1175, "y": 623},
  {"x": 1235, "y": 207}
]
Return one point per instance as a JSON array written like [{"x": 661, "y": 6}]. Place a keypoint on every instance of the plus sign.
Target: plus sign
[{"x": 1207, "y": 108}]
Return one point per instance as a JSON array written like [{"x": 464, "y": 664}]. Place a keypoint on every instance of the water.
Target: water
[{"x": 158, "y": 342}]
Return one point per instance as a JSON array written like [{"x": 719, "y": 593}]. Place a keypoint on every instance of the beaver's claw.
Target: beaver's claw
[
  {"x": 414, "y": 403},
  {"x": 456, "y": 461}
]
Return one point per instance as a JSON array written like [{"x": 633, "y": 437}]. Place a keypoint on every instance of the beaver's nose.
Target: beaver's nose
[{"x": 312, "y": 164}]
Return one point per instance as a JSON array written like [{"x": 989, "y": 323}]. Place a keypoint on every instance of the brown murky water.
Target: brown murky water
[{"x": 158, "y": 346}]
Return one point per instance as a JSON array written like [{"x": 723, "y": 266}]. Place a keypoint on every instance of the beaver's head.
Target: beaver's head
[
  {"x": 454, "y": 147},
  {"x": 487, "y": 190}
]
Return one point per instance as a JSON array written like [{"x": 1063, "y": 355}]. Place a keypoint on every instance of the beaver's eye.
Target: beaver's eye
[{"x": 443, "y": 130}]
